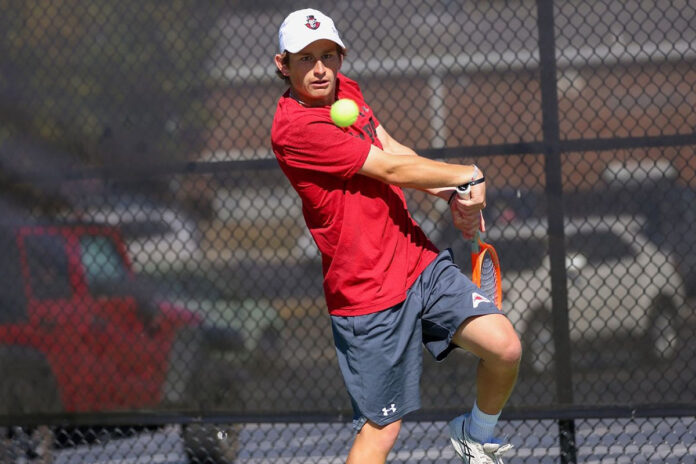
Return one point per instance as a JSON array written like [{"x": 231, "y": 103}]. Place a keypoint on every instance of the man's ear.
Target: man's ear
[{"x": 281, "y": 67}]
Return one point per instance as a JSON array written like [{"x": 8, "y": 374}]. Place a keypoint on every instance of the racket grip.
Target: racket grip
[
  {"x": 475, "y": 247},
  {"x": 464, "y": 189}
]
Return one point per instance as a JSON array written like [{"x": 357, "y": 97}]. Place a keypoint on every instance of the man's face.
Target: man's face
[{"x": 312, "y": 72}]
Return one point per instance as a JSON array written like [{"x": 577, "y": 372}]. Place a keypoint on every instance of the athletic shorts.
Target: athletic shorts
[{"x": 380, "y": 354}]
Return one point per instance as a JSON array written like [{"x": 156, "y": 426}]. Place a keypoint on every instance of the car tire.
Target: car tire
[
  {"x": 537, "y": 340},
  {"x": 267, "y": 355},
  {"x": 211, "y": 443},
  {"x": 214, "y": 387},
  {"x": 30, "y": 389},
  {"x": 663, "y": 329}
]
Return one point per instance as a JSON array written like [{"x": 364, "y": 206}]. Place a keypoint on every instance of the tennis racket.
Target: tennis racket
[{"x": 485, "y": 266}]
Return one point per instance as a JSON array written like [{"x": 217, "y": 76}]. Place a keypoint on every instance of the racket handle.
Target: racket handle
[
  {"x": 475, "y": 242},
  {"x": 464, "y": 189}
]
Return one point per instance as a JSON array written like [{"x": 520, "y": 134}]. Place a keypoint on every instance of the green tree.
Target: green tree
[{"x": 108, "y": 83}]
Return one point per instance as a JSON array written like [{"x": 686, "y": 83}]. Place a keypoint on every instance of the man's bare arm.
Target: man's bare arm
[
  {"x": 414, "y": 171},
  {"x": 435, "y": 177},
  {"x": 393, "y": 147}
]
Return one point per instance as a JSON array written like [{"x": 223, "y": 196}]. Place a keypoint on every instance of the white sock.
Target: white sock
[{"x": 482, "y": 425}]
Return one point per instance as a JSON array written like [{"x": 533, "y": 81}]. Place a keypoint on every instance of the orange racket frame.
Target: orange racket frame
[
  {"x": 477, "y": 262},
  {"x": 479, "y": 249}
]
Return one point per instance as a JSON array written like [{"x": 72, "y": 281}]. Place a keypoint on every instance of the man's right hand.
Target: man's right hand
[{"x": 466, "y": 212}]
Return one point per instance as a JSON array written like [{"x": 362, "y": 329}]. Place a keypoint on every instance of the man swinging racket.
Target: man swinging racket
[{"x": 389, "y": 291}]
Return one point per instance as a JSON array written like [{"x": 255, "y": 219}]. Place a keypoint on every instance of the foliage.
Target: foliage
[{"x": 107, "y": 82}]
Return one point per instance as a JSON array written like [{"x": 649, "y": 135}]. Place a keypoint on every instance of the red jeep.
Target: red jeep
[{"x": 79, "y": 333}]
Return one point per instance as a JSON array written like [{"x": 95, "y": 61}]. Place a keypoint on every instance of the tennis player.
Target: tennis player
[{"x": 388, "y": 289}]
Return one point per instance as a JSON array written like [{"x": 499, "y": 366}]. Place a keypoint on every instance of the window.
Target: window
[
  {"x": 48, "y": 267},
  {"x": 105, "y": 271}
]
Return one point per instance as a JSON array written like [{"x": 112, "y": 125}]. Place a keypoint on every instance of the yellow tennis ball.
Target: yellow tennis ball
[{"x": 344, "y": 112}]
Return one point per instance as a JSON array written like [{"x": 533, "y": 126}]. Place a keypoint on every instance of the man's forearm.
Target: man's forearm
[
  {"x": 421, "y": 173},
  {"x": 393, "y": 147},
  {"x": 442, "y": 192}
]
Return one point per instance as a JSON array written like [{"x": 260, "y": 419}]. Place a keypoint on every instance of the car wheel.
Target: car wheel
[
  {"x": 215, "y": 387},
  {"x": 30, "y": 389},
  {"x": 538, "y": 346},
  {"x": 663, "y": 328},
  {"x": 211, "y": 443},
  {"x": 267, "y": 355}
]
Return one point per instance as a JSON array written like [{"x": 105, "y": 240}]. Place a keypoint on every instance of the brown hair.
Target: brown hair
[{"x": 285, "y": 59}]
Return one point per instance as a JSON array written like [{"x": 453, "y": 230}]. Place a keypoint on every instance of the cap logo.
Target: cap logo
[{"x": 312, "y": 23}]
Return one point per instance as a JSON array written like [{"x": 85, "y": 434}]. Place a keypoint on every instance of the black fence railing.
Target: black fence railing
[{"x": 161, "y": 298}]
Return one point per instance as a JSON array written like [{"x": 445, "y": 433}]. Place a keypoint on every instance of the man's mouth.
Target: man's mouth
[{"x": 320, "y": 84}]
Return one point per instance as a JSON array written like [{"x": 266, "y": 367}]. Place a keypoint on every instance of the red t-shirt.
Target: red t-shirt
[{"x": 372, "y": 250}]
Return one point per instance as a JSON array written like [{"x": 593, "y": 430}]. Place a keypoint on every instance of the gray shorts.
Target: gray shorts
[{"x": 380, "y": 354}]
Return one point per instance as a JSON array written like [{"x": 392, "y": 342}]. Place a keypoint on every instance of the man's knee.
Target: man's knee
[
  {"x": 510, "y": 350},
  {"x": 505, "y": 349},
  {"x": 492, "y": 338}
]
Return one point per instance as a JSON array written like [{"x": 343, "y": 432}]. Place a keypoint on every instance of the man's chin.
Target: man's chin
[{"x": 320, "y": 99}]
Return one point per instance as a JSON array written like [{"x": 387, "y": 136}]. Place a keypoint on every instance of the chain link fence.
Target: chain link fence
[{"x": 161, "y": 299}]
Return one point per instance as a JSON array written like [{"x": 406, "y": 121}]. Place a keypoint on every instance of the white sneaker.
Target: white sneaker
[{"x": 471, "y": 451}]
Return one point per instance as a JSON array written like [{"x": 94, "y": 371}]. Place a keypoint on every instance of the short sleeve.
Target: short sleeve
[{"x": 319, "y": 145}]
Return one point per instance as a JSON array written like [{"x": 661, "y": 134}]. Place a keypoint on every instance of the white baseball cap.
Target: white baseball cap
[{"x": 302, "y": 27}]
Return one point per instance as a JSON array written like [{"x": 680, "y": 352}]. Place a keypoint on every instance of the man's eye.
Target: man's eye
[{"x": 306, "y": 59}]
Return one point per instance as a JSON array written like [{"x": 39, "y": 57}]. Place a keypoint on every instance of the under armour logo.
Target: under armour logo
[
  {"x": 477, "y": 298},
  {"x": 390, "y": 410}
]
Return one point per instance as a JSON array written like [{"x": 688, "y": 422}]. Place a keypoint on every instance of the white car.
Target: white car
[{"x": 618, "y": 284}]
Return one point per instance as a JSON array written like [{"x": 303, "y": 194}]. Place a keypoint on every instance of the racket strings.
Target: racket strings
[{"x": 489, "y": 279}]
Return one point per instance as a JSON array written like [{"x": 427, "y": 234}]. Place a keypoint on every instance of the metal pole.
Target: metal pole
[{"x": 554, "y": 193}]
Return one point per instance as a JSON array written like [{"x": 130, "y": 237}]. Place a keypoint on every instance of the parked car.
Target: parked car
[
  {"x": 665, "y": 201},
  {"x": 618, "y": 283},
  {"x": 229, "y": 299},
  {"x": 79, "y": 333},
  {"x": 158, "y": 237},
  {"x": 649, "y": 188}
]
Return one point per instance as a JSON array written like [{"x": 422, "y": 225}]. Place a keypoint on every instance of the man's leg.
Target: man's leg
[
  {"x": 373, "y": 443},
  {"x": 493, "y": 339}
]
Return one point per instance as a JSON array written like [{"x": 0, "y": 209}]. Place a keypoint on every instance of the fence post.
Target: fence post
[{"x": 554, "y": 194}]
